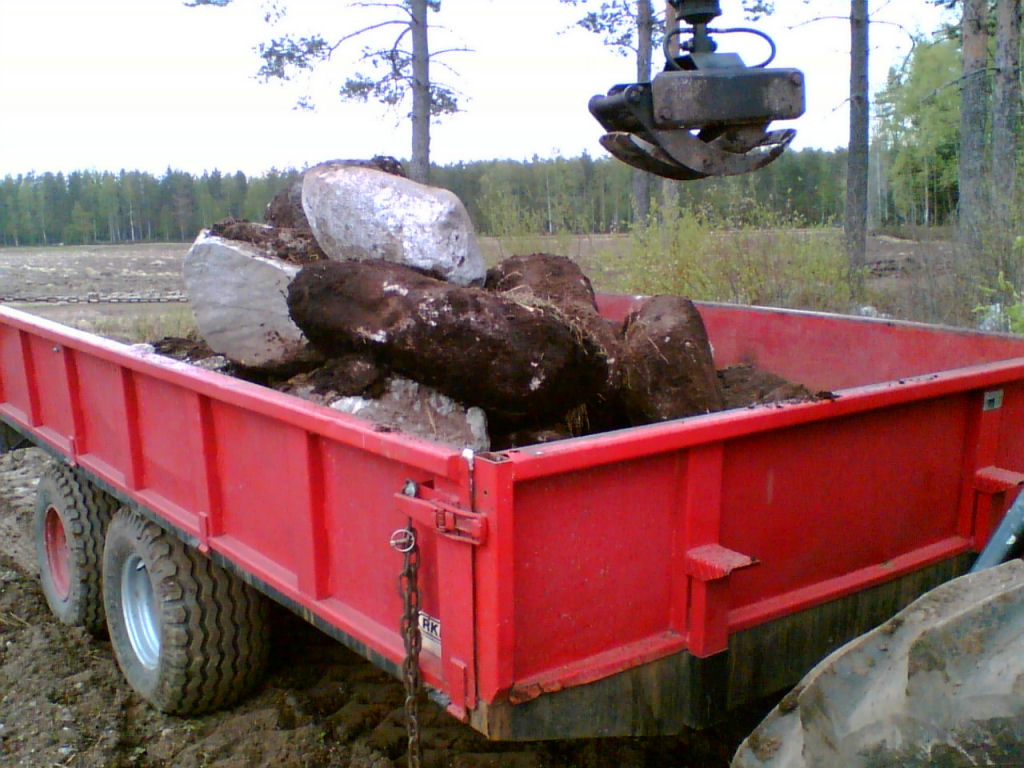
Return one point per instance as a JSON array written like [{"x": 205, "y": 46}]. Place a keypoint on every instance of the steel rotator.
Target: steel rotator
[{"x": 707, "y": 113}]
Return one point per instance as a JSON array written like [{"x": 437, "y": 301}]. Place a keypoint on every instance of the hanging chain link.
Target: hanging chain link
[
  {"x": 404, "y": 541},
  {"x": 132, "y": 298}
]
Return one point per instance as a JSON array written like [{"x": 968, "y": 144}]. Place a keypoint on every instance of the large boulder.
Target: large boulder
[
  {"x": 410, "y": 407},
  {"x": 238, "y": 294},
  {"x": 285, "y": 210},
  {"x": 365, "y": 213}
]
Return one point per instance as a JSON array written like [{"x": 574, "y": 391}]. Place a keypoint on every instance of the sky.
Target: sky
[{"x": 151, "y": 84}]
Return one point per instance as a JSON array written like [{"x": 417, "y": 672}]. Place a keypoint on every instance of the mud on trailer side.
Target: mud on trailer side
[{"x": 630, "y": 583}]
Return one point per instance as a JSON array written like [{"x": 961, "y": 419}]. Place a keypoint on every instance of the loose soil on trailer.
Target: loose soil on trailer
[{"x": 63, "y": 701}]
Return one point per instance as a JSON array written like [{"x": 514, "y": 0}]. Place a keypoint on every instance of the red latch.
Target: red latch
[
  {"x": 997, "y": 480},
  {"x": 713, "y": 561},
  {"x": 445, "y": 519}
]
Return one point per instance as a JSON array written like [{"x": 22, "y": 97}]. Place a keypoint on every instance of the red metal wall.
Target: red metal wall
[{"x": 594, "y": 554}]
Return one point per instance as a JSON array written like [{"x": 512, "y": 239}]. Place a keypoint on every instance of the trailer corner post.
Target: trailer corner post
[{"x": 459, "y": 533}]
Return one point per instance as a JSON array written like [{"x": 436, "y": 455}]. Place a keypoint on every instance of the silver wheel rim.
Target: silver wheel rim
[{"x": 138, "y": 604}]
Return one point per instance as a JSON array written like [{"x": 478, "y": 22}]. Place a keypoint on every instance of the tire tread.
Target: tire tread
[
  {"x": 214, "y": 626},
  {"x": 86, "y": 511}
]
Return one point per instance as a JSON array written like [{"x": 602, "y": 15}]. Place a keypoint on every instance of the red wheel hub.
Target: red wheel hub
[{"x": 58, "y": 557}]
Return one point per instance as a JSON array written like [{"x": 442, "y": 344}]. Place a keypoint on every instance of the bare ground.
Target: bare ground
[{"x": 63, "y": 701}]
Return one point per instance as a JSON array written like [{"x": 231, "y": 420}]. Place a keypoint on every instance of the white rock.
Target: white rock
[
  {"x": 363, "y": 213},
  {"x": 419, "y": 410},
  {"x": 238, "y": 296}
]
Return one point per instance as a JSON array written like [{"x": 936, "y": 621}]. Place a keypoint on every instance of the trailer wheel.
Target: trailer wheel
[
  {"x": 188, "y": 635},
  {"x": 70, "y": 521}
]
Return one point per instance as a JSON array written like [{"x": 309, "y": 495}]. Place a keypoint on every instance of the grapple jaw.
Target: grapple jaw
[
  {"x": 708, "y": 114},
  {"x": 689, "y": 125}
]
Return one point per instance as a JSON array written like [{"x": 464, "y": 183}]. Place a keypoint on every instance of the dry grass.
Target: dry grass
[
  {"x": 800, "y": 268},
  {"x": 128, "y": 323},
  {"x": 782, "y": 266}
]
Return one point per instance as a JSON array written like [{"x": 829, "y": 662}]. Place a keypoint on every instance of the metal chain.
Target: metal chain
[
  {"x": 404, "y": 540},
  {"x": 172, "y": 298}
]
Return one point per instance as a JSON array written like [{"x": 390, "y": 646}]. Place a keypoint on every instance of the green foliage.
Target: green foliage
[
  {"x": 778, "y": 265},
  {"x": 1012, "y": 311},
  {"x": 615, "y": 21},
  {"x": 919, "y": 126},
  {"x": 755, "y": 9},
  {"x": 282, "y": 55},
  {"x": 132, "y": 206},
  {"x": 388, "y": 78},
  {"x": 1005, "y": 296},
  {"x": 513, "y": 200}
]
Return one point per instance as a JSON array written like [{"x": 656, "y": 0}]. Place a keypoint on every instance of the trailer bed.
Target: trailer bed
[{"x": 629, "y": 583}]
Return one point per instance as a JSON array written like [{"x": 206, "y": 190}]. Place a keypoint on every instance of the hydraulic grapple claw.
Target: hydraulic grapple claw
[
  {"x": 706, "y": 115},
  {"x": 690, "y": 125}
]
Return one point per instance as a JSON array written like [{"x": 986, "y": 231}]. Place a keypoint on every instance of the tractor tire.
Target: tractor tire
[
  {"x": 69, "y": 527},
  {"x": 940, "y": 685},
  {"x": 188, "y": 635}
]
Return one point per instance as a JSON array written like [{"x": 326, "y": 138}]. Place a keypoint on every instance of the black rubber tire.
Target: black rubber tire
[
  {"x": 70, "y": 522},
  {"x": 188, "y": 635}
]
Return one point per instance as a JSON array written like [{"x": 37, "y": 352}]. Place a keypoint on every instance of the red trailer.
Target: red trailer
[{"x": 628, "y": 583}]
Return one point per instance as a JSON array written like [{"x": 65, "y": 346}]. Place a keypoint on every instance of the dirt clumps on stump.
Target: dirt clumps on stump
[
  {"x": 667, "y": 362},
  {"x": 557, "y": 280},
  {"x": 290, "y": 244},
  {"x": 517, "y": 360},
  {"x": 351, "y": 375}
]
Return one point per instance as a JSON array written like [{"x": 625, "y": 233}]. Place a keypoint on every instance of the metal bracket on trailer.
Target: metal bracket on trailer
[
  {"x": 1006, "y": 539},
  {"x": 421, "y": 504}
]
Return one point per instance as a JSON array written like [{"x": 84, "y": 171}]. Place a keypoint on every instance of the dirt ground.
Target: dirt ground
[{"x": 63, "y": 701}]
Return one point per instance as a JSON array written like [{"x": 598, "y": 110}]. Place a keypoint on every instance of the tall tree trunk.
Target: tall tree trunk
[
  {"x": 670, "y": 187},
  {"x": 642, "y": 181},
  {"x": 856, "y": 217},
  {"x": 973, "y": 185},
  {"x": 420, "y": 165},
  {"x": 1006, "y": 106}
]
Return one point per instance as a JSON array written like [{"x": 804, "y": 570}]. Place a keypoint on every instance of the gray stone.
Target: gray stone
[
  {"x": 364, "y": 213},
  {"x": 237, "y": 294},
  {"x": 419, "y": 410}
]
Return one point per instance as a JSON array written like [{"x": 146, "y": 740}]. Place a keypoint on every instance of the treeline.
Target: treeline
[
  {"x": 130, "y": 206},
  {"x": 578, "y": 195},
  {"x": 584, "y": 195}
]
